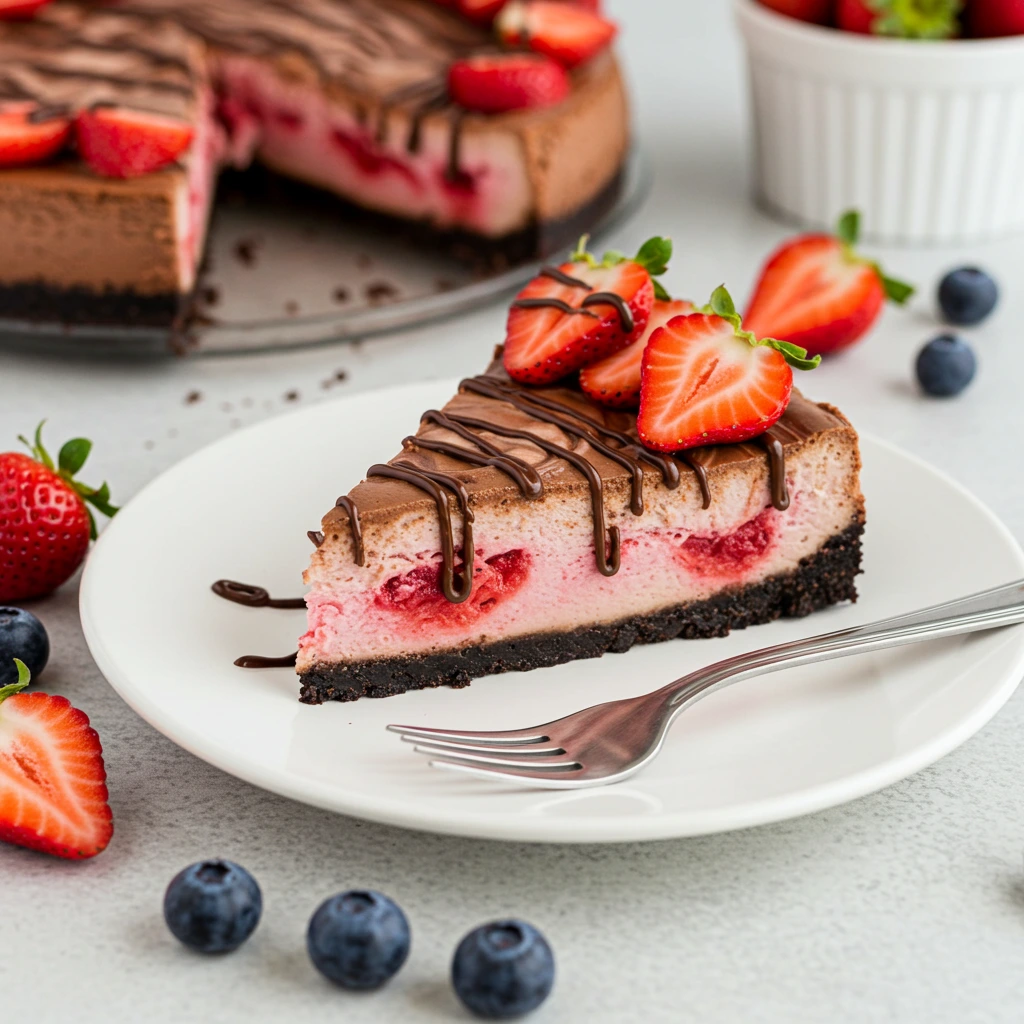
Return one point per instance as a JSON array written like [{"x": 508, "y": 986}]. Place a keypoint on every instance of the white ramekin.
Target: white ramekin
[{"x": 926, "y": 139}]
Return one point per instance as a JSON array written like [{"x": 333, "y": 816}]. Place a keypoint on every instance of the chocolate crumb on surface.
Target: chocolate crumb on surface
[
  {"x": 291, "y": 396},
  {"x": 210, "y": 295},
  {"x": 193, "y": 396},
  {"x": 291, "y": 307},
  {"x": 822, "y": 579},
  {"x": 245, "y": 250},
  {"x": 380, "y": 291},
  {"x": 341, "y": 295}
]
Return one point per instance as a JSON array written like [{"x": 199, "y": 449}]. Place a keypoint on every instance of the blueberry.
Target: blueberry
[
  {"x": 21, "y": 636},
  {"x": 213, "y": 906},
  {"x": 967, "y": 296},
  {"x": 945, "y": 366},
  {"x": 503, "y": 969},
  {"x": 358, "y": 939}
]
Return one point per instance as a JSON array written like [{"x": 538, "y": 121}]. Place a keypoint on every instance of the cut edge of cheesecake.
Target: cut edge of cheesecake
[{"x": 818, "y": 445}]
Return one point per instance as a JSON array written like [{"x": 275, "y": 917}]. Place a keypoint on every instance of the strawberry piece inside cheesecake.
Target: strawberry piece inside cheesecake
[{"x": 579, "y": 540}]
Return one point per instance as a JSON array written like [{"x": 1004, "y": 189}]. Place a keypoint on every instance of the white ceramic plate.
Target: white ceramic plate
[{"x": 762, "y": 751}]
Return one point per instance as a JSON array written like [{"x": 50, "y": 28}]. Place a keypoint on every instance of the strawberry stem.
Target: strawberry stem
[
  {"x": 721, "y": 305},
  {"x": 24, "y": 678},
  {"x": 848, "y": 234},
  {"x": 70, "y": 460},
  {"x": 653, "y": 256}
]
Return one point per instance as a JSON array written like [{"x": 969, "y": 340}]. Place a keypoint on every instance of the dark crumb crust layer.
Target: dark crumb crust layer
[
  {"x": 41, "y": 302},
  {"x": 822, "y": 579},
  {"x": 260, "y": 185}
]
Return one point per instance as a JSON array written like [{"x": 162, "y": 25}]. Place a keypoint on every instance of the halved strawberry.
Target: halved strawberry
[
  {"x": 568, "y": 32},
  {"x": 122, "y": 143},
  {"x": 495, "y": 83},
  {"x": 582, "y": 311},
  {"x": 30, "y": 134},
  {"x": 615, "y": 380},
  {"x": 15, "y": 10},
  {"x": 705, "y": 380},
  {"x": 53, "y": 792},
  {"x": 816, "y": 292}
]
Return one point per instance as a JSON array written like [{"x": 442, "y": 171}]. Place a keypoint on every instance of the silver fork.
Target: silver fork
[{"x": 609, "y": 742}]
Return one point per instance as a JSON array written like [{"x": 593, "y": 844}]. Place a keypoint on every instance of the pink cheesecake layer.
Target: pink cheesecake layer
[
  {"x": 194, "y": 196},
  {"x": 299, "y": 130},
  {"x": 535, "y": 565}
]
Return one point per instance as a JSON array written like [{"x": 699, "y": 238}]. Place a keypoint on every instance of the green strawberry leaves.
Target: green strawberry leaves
[
  {"x": 24, "y": 677},
  {"x": 721, "y": 305},
  {"x": 73, "y": 455},
  {"x": 653, "y": 256},
  {"x": 916, "y": 19},
  {"x": 848, "y": 233},
  {"x": 70, "y": 460}
]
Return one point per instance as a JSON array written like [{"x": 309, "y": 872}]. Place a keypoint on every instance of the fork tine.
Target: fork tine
[
  {"x": 552, "y": 780},
  {"x": 520, "y": 750},
  {"x": 543, "y": 767},
  {"x": 510, "y": 737}
]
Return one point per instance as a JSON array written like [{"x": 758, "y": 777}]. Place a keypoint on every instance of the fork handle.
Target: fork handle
[{"x": 1001, "y": 606}]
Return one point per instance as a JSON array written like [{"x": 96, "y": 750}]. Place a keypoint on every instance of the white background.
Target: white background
[{"x": 905, "y": 906}]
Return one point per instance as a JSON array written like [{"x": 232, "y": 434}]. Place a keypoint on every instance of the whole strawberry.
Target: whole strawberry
[{"x": 45, "y": 521}]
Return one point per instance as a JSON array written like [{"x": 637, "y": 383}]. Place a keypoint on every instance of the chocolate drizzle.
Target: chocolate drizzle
[
  {"x": 251, "y": 596},
  {"x": 563, "y": 278},
  {"x": 626, "y": 321},
  {"x": 549, "y": 302},
  {"x": 355, "y": 526},
  {"x": 777, "y": 469},
  {"x": 259, "y": 661},
  {"x": 434, "y": 484},
  {"x": 316, "y": 537},
  {"x": 616, "y": 300}
]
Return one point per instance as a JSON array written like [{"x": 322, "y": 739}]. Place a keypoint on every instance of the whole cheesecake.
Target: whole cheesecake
[
  {"x": 581, "y": 541},
  {"x": 350, "y": 96}
]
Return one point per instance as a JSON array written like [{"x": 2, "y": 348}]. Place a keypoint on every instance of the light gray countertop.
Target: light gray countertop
[{"x": 904, "y": 906}]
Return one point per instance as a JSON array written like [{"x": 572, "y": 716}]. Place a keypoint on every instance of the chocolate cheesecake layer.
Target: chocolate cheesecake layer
[{"x": 825, "y": 578}]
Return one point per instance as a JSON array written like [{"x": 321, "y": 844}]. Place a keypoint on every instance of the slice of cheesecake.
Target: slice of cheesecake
[{"x": 579, "y": 541}]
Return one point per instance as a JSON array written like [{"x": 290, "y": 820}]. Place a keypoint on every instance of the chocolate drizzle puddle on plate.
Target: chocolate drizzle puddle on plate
[
  {"x": 259, "y": 661},
  {"x": 250, "y": 596}
]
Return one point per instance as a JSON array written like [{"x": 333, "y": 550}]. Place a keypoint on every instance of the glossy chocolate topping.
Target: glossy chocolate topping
[{"x": 496, "y": 431}]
